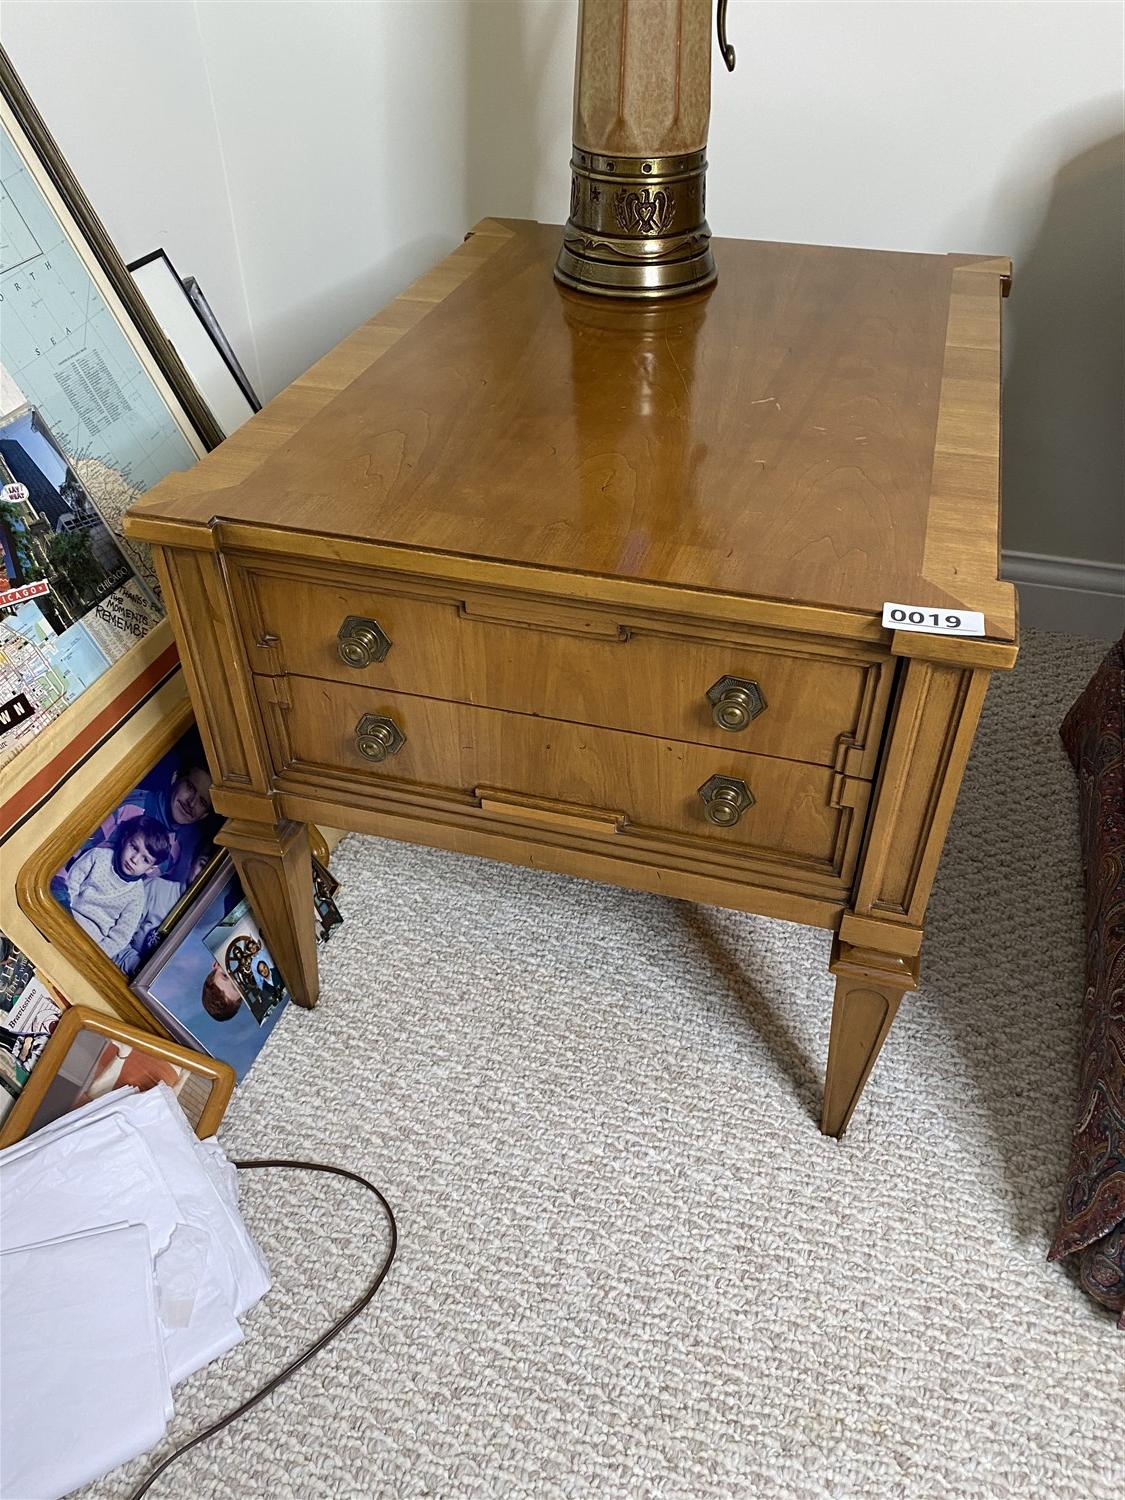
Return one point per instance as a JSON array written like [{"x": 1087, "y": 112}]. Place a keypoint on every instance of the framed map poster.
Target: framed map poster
[{"x": 95, "y": 409}]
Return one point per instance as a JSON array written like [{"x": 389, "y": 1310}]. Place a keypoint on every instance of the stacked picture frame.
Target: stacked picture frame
[{"x": 96, "y": 406}]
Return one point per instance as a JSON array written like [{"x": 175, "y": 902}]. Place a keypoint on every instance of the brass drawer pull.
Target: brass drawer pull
[
  {"x": 734, "y": 702},
  {"x": 378, "y": 737},
  {"x": 548, "y": 811},
  {"x": 725, "y": 799},
  {"x": 360, "y": 642}
]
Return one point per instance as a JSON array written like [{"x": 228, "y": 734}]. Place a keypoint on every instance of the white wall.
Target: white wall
[
  {"x": 983, "y": 128},
  {"x": 344, "y": 133},
  {"x": 124, "y": 90},
  {"x": 358, "y": 141}
]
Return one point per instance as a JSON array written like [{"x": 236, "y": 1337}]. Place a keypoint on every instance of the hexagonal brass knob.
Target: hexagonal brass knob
[
  {"x": 734, "y": 702},
  {"x": 378, "y": 737},
  {"x": 360, "y": 642},
  {"x": 725, "y": 799}
]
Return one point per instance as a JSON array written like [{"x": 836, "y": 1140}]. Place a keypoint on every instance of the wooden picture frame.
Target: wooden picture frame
[
  {"x": 37, "y": 807},
  {"x": 33, "y": 882},
  {"x": 47, "y": 836},
  {"x": 203, "y": 1090}
]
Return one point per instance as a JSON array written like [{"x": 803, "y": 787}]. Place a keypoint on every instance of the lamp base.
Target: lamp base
[{"x": 637, "y": 226}]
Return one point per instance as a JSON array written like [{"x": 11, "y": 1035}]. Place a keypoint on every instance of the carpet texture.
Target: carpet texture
[{"x": 630, "y": 1264}]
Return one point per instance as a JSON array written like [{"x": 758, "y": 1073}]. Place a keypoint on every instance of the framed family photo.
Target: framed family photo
[
  {"x": 212, "y": 982},
  {"x": 70, "y": 788},
  {"x": 102, "y": 881},
  {"x": 132, "y": 889},
  {"x": 148, "y": 851}
]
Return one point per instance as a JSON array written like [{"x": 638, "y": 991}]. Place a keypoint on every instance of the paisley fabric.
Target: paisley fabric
[{"x": 1092, "y": 1222}]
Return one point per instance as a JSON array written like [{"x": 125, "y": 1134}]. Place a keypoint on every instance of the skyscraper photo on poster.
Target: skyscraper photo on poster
[{"x": 70, "y": 601}]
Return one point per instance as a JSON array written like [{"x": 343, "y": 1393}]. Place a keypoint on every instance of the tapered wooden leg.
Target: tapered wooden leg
[
  {"x": 869, "y": 987},
  {"x": 274, "y": 865}
]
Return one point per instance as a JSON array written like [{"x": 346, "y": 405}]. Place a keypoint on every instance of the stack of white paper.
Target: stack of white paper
[{"x": 124, "y": 1267}]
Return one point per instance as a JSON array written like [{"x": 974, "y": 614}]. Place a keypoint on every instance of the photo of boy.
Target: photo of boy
[
  {"x": 269, "y": 985},
  {"x": 105, "y": 886},
  {"x": 121, "y": 909},
  {"x": 177, "y": 794},
  {"x": 161, "y": 895},
  {"x": 221, "y": 997},
  {"x": 245, "y": 963},
  {"x": 200, "y": 981}
]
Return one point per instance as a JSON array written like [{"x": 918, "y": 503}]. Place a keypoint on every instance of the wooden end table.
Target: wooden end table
[{"x": 598, "y": 588}]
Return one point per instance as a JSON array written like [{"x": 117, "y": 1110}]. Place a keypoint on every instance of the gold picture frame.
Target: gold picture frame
[
  {"x": 66, "y": 956},
  {"x": 34, "y": 807},
  {"x": 203, "y": 1087},
  {"x": 33, "y": 882}
]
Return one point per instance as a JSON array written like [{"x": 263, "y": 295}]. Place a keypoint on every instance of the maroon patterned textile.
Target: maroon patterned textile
[{"x": 1092, "y": 1222}]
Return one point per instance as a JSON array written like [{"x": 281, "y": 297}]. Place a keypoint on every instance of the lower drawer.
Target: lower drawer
[{"x": 324, "y": 736}]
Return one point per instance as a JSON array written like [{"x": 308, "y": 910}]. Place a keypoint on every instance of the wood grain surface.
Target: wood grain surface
[
  {"x": 618, "y": 669},
  {"x": 565, "y": 520},
  {"x": 652, "y": 783},
  {"x": 773, "y": 438}
]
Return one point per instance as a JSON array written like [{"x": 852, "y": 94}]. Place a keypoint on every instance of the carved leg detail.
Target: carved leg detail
[
  {"x": 273, "y": 863},
  {"x": 869, "y": 987}
]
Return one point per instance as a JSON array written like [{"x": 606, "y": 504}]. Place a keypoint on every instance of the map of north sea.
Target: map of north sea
[{"x": 83, "y": 431}]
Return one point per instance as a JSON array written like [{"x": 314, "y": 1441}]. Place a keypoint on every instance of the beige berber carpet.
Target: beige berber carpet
[{"x": 630, "y": 1264}]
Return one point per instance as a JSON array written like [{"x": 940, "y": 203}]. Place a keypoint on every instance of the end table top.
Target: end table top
[{"x": 822, "y": 428}]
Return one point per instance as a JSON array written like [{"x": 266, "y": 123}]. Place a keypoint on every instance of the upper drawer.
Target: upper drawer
[{"x": 579, "y": 663}]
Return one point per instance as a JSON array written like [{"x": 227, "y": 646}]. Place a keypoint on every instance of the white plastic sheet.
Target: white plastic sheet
[
  {"x": 125, "y": 1163},
  {"x": 83, "y": 1382}
]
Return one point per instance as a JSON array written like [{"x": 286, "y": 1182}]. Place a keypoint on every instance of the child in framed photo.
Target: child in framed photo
[{"x": 143, "y": 856}]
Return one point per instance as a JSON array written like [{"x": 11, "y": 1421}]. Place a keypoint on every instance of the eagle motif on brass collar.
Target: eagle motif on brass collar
[{"x": 641, "y": 211}]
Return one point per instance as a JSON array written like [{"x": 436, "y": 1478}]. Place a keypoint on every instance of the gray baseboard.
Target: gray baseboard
[{"x": 1068, "y": 593}]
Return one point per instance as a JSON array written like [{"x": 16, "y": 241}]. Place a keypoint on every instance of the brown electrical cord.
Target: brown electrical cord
[{"x": 294, "y": 1365}]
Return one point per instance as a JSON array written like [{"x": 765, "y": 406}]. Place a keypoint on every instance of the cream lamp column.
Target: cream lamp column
[{"x": 642, "y": 105}]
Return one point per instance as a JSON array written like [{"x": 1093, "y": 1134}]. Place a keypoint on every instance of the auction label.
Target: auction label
[{"x": 933, "y": 621}]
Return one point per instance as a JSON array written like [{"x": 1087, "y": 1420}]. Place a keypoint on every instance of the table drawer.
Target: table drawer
[
  {"x": 585, "y": 665},
  {"x": 323, "y": 736}
]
